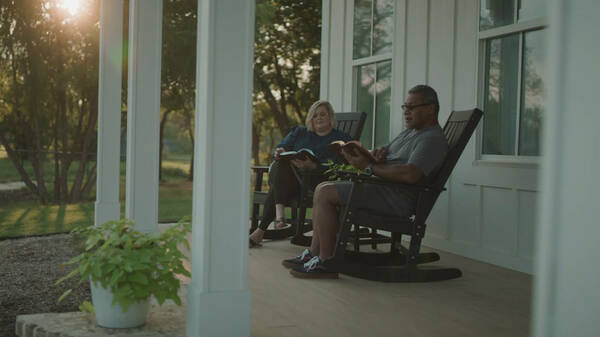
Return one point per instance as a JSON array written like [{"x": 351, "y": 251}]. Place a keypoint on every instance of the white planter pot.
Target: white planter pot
[{"x": 112, "y": 316}]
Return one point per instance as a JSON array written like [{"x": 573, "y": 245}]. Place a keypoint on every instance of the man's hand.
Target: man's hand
[
  {"x": 305, "y": 164},
  {"x": 380, "y": 154},
  {"x": 356, "y": 159},
  {"x": 277, "y": 152}
]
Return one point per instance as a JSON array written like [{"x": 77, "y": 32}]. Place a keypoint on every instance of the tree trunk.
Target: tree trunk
[
  {"x": 190, "y": 131},
  {"x": 33, "y": 83},
  {"x": 86, "y": 140},
  {"x": 163, "y": 122},
  {"x": 59, "y": 131},
  {"x": 281, "y": 119},
  {"x": 18, "y": 164},
  {"x": 191, "y": 172},
  {"x": 255, "y": 144}
]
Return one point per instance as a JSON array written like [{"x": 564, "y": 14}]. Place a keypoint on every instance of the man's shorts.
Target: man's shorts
[{"x": 384, "y": 200}]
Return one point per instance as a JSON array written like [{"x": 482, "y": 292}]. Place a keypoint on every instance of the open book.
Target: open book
[
  {"x": 301, "y": 154},
  {"x": 354, "y": 147}
]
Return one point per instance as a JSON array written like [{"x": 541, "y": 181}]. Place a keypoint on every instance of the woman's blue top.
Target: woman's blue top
[{"x": 300, "y": 138}]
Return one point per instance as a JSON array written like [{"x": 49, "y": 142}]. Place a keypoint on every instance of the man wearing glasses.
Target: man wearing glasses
[{"x": 410, "y": 158}]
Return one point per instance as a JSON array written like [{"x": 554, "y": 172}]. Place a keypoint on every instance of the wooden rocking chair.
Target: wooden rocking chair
[
  {"x": 402, "y": 264},
  {"x": 350, "y": 122}
]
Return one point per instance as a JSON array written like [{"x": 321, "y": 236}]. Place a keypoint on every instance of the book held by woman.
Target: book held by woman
[{"x": 301, "y": 154}]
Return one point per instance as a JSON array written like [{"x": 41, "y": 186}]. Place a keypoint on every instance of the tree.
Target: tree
[
  {"x": 178, "y": 66},
  {"x": 286, "y": 63},
  {"x": 50, "y": 95}
]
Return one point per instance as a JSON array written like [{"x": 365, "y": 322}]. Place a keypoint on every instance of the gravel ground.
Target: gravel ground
[{"x": 29, "y": 267}]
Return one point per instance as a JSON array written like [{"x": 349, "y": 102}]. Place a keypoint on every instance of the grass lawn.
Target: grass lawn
[{"x": 31, "y": 218}]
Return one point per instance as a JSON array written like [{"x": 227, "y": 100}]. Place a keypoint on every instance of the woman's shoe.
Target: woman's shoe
[
  {"x": 253, "y": 244},
  {"x": 279, "y": 224}
]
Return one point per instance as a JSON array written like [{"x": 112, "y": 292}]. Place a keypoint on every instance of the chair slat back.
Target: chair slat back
[
  {"x": 351, "y": 122},
  {"x": 458, "y": 130}
]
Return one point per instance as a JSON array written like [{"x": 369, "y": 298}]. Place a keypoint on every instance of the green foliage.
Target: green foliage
[
  {"x": 86, "y": 307},
  {"x": 49, "y": 95},
  {"x": 287, "y": 62},
  {"x": 132, "y": 264},
  {"x": 334, "y": 171}
]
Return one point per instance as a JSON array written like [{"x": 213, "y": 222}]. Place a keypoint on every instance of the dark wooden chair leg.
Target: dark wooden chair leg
[
  {"x": 373, "y": 238},
  {"x": 299, "y": 238}
]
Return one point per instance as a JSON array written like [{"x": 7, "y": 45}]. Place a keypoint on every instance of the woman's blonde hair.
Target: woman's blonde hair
[{"x": 311, "y": 113}]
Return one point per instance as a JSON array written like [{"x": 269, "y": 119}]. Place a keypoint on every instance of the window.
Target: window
[
  {"x": 512, "y": 37},
  {"x": 372, "y": 67}
]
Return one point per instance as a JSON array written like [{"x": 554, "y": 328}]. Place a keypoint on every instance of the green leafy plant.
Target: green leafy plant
[
  {"x": 131, "y": 264},
  {"x": 334, "y": 170},
  {"x": 86, "y": 307}
]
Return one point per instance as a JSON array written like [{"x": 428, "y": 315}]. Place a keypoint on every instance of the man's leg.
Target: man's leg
[
  {"x": 325, "y": 220},
  {"x": 325, "y": 225}
]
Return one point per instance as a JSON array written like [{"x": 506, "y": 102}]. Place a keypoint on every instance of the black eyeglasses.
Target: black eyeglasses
[{"x": 411, "y": 107}]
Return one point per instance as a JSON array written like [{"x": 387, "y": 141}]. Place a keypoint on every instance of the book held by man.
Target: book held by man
[
  {"x": 353, "y": 147},
  {"x": 301, "y": 154}
]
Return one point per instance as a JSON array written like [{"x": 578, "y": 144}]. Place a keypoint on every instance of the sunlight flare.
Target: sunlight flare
[{"x": 71, "y": 6}]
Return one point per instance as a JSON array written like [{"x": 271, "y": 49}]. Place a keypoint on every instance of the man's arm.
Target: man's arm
[{"x": 402, "y": 173}]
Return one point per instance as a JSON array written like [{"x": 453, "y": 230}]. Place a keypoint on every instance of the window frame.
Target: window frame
[
  {"x": 372, "y": 59},
  {"x": 520, "y": 28}
]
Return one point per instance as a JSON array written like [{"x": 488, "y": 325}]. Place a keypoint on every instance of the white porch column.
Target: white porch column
[
  {"x": 218, "y": 296},
  {"x": 143, "y": 113},
  {"x": 109, "y": 111},
  {"x": 566, "y": 294}
]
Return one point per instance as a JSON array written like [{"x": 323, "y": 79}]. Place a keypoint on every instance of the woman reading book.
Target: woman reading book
[{"x": 317, "y": 133}]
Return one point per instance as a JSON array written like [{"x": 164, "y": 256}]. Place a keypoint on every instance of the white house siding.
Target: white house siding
[{"x": 488, "y": 212}]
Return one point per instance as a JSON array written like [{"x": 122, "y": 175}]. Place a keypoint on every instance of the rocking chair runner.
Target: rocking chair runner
[
  {"x": 401, "y": 264},
  {"x": 350, "y": 122}
]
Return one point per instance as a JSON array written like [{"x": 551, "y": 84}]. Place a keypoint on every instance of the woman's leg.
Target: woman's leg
[
  {"x": 283, "y": 183},
  {"x": 283, "y": 187},
  {"x": 279, "y": 216},
  {"x": 268, "y": 215}
]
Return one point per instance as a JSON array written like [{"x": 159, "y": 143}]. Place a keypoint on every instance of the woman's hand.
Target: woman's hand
[
  {"x": 277, "y": 152},
  {"x": 305, "y": 164}
]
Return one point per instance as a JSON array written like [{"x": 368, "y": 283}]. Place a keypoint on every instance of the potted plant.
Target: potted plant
[{"x": 125, "y": 267}]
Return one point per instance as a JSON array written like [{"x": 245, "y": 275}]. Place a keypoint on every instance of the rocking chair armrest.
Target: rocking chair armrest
[
  {"x": 374, "y": 180},
  {"x": 259, "y": 169},
  {"x": 259, "y": 172}
]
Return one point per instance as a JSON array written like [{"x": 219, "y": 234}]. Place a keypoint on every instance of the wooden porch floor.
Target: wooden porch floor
[{"x": 486, "y": 301}]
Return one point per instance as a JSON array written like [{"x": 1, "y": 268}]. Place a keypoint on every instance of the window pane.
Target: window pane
[
  {"x": 383, "y": 98},
  {"x": 365, "y": 88},
  {"x": 532, "y": 93},
  {"x": 496, "y": 13},
  {"x": 362, "y": 29},
  {"x": 383, "y": 26},
  {"x": 500, "y": 103},
  {"x": 531, "y": 9}
]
